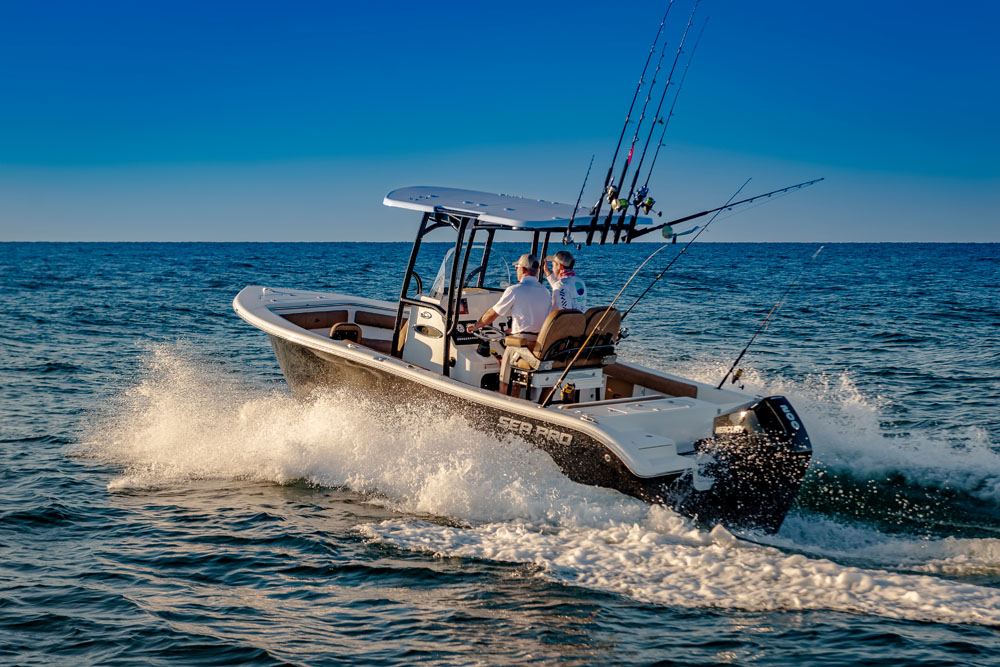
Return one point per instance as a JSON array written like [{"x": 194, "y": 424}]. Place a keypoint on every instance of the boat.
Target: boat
[{"x": 717, "y": 455}]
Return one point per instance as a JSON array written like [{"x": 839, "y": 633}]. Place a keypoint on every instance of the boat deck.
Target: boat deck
[
  {"x": 633, "y": 394},
  {"x": 651, "y": 420}
]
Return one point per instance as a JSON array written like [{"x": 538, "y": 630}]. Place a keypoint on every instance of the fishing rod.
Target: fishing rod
[
  {"x": 608, "y": 310},
  {"x": 567, "y": 238},
  {"x": 683, "y": 250},
  {"x": 763, "y": 325},
  {"x": 613, "y": 190},
  {"x": 623, "y": 204},
  {"x": 643, "y": 232},
  {"x": 642, "y": 200},
  {"x": 614, "y": 157}
]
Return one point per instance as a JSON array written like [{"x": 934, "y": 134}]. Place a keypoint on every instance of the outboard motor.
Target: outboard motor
[{"x": 755, "y": 463}]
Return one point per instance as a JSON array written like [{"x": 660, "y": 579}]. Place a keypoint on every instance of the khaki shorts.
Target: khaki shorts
[{"x": 511, "y": 355}]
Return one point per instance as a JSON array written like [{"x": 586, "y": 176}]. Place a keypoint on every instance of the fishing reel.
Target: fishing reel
[
  {"x": 567, "y": 391},
  {"x": 611, "y": 194},
  {"x": 647, "y": 205},
  {"x": 619, "y": 204},
  {"x": 639, "y": 197}
]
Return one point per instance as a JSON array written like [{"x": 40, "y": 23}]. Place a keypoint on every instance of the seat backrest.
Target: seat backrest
[
  {"x": 317, "y": 320},
  {"x": 346, "y": 331},
  {"x": 605, "y": 330},
  {"x": 562, "y": 329},
  {"x": 601, "y": 345},
  {"x": 370, "y": 319}
]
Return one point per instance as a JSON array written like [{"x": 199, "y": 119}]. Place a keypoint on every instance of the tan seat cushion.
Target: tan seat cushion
[
  {"x": 610, "y": 325},
  {"x": 635, "y": 375},
  {"x": 380, "y": 320},
  {"x": 520, "y": 341},
  {"x": 317, "y": 320},
  {"x": 558, "y": 326}
]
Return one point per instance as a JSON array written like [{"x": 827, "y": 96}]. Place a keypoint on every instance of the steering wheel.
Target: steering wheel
[
  {"x": 472, "y": 274},
  {"x": 489, "y": 333}
]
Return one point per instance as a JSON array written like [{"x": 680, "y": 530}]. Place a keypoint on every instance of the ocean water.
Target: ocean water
[{"x": 166, "y": 501}]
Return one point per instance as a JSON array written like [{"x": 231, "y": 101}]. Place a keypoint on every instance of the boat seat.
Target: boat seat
[
  {"x": 562, "y": 334},
  {"x": 603, "y": 334},
  {"x": 317, "y": 320},
  {"x": 605, "y": 330},
  {"x": 627, "y": 376},
  {"x": 377, "y": 320},
  {"x": 536, "y": 364},
  {"x": 346, "y": 331},
  {"x": 557, "y": 342},
  {"x": 381, "y": 321}
]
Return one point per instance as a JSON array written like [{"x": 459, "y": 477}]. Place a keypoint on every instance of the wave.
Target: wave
[
  {"x": 660, "y": 560},
  {"x": 464, "y": 494},
  {"x": 859, "y": 543}
]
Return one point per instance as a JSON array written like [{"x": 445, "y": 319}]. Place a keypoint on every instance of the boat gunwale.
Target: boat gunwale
[{"x": 338, "y": 300}]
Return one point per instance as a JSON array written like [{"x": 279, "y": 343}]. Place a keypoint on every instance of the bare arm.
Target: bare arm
[{"x": 486, "y": 319}]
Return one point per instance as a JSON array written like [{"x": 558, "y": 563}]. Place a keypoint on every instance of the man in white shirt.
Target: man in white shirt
[
  {"x": 528, "y": 303},
  {"x": 568, "y": 291}
]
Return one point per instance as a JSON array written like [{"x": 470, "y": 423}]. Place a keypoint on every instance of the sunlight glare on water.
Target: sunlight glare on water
[{"x": 166, "y": 493}]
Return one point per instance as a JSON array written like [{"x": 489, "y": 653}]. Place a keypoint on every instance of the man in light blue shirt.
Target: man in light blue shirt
[{"x": 568, "y": 291}]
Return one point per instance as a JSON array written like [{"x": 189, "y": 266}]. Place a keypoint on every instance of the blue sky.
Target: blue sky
[{"x": 266, "y": 121}]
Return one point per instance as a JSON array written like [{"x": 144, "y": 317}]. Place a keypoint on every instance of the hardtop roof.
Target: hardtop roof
[{"x": 509, "y": 211}]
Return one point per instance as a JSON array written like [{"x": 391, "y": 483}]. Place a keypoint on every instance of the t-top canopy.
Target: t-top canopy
[{"x": 504, "y": 210}]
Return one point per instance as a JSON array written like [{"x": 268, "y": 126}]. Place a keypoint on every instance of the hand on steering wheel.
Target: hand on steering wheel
[{"x": 488, "y": 333}]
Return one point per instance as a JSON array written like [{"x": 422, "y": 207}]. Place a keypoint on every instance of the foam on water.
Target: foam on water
[
  {"x": 662, "y": 561},
  {"x": 822, "y": 536},
  {"x": 186, "y": 420}
]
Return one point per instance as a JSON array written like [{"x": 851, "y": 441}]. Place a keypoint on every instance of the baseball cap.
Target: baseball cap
[
  {"x": 563, "y": 257},
  {"x": 528, "y": 261}
]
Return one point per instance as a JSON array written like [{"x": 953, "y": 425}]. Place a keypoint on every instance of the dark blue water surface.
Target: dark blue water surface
[{"x": 165, "y": 501}]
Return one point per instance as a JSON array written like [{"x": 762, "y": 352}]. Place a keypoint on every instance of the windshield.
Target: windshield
[{"x": 497, "y": 273}]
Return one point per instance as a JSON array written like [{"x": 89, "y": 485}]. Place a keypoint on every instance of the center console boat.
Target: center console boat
[{"x": 717, "y": 455}]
